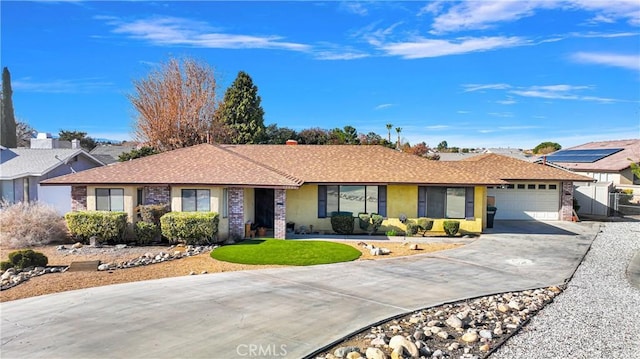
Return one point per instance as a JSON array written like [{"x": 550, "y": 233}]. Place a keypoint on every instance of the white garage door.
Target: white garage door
[{"x": 527, "y": 201}]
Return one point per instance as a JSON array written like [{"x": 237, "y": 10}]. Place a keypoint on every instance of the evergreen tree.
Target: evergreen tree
[
  {"x": 8, "y": 137},
  {"x": 241, "y": 110}
]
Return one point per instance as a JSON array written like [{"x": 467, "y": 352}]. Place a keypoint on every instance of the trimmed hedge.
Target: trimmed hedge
[
  {"x": 105, "y": 225},
  {"x": 190, "y": 227},
  {"x": 24, "y": 259},
  {"x": 146, "y": 232},
  {"x": 451, "y": 227},
  {"x": 424, "y": 225},
  {"x": 342, "y": 222},
  {"x": 412, "y": 228}
]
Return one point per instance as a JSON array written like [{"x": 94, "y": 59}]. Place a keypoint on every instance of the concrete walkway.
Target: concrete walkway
[{"x": 286, "y": 312}]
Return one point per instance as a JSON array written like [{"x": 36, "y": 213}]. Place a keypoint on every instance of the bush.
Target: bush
[
  {"x": 146, "y": 232},
  {"x": 107, "y": 226},
  {"x": 412, "y": 228},
  {"x": 424, "y": 225},
  {"x": 25, "y": 224},
  {"x": 370, "y": 223},
  {"x": 342, "y": 222},
  {"x": 364, "y": 221},
  {"x": 451, "y": 227},
  {"x": 151, "y": 213},
  {"x": 190, "y": 227},
  {"x": 391, "y": 233},
  {"x": 24, "y": 259}
]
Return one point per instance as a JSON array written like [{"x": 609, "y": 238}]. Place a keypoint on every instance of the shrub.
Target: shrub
[
  {"x": 107, "y": 226},
  {"x": 24, "y": 259},
  {"x": 342, "y": 222},
  {"x": 151, "y": 213},
  {"x": 391, "y": 233},
  {"x": 146, "y": 232},
  {"x": 376, "y": 222},
  {"x": 190, "y": 227},
  {"x": 424, "y": 225},
  {"x": 25, "y": 224},
  {"x": 364, "y": 221},
  {"x": 370, "y": 223},
  {"x": 451, "y": 227},
  {"x": 412, "y": 228}
]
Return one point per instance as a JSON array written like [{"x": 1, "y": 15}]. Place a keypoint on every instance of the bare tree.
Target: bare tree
[{"x": 176, "y": 105}]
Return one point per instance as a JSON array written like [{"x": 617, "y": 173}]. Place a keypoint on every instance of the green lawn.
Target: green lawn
[{"x": 277, "y": 251}]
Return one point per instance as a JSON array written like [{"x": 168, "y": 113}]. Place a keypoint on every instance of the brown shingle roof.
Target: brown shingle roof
[
  {"x": 613, "y": 163},
  {"x": 509, "y": 168},
  {"x": 201, "y": 164},
  {"x": 357, "y": 164}
]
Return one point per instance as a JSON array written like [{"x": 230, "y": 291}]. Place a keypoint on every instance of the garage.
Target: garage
[{"x": 526, "y": 201}]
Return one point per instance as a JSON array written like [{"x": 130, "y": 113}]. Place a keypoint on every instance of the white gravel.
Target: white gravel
[{"x": 598, "y": 315}]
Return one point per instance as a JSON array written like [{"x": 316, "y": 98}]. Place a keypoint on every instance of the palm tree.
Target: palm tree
[
  {"x": 389, "y": 127},
  {"x": 398, "y": 130}
]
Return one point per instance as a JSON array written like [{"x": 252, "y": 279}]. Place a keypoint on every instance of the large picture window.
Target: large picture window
[
  {"x": 110, "y": 199},
  {"x": 445, "y": 202},
  {"x": 355, "y": 199},
  {"x": 196, "y": 200}
]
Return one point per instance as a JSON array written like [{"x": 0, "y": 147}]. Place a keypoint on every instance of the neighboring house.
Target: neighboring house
[
  {"x": 608, "y": 163},
  {"x": 22, "y": 170},
  {"x": 110, "y": 153},
  {"x": 509, "y": 152},
  {"x": 273, "y": 185}
]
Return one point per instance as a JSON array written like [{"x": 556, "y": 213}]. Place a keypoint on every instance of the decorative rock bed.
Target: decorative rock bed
[{"x": 12, "y": 277}]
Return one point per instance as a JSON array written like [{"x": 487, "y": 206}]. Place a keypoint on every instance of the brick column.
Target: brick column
[
  {"x": 566, "y": 211},
  {"x": 157, "y": 195},
  {"x": 78, "y": 198},
  {"x": 236, "y": 212},
  {"x": 280, "y": 214}
]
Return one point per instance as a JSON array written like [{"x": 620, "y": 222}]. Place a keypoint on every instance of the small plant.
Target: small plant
[
  {"x": 146, "y": 232},
  {"x": 391, "y": 233},
  {"x": 190, "y": 227},
  {"x": 412, "y": 228},
  {"x": 342, "y": 222},
  {"x": 25, "y": 224},
  {"x": 107, "y": 226},
  {"x": 24, "y": 259},
  {"x": 424, "y": 225},
  {"x": 451, "y": 228}
]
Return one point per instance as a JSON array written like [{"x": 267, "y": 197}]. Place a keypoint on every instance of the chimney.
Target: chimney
[
  {"x": 291, "y": 143},
  {"x": 44, "y": 141},
  {"x": 75, "y": 144}
]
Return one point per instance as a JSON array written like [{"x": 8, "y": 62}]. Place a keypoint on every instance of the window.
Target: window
[
  {"x": 553, "y": 186},
  {"x": 446, "y": 202},
  {"x": 110, "y": 199},
  {"x": 510, "y": 186},
  {"x": 225, "y": 203},
  {"x": 355, "y": 199},
  {"x": 531, "y": 186},
  {"x": 542, "y": 186},
  {"x": 7, "y": 192},
  {"x": 520, "y": 186},
  {"x": 195, "y": 200}
]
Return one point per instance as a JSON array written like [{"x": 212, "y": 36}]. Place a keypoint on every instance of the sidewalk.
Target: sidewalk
[{"x": 286, "y": 312}]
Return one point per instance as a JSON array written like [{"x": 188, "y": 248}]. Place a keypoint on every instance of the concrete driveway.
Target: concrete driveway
[{"x": 286, "y": 312}]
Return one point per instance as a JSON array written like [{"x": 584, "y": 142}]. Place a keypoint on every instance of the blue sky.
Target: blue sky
[{"x": 476, "y": 74}]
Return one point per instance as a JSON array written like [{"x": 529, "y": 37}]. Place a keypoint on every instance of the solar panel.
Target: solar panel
[{"x": 582, "y": 156}]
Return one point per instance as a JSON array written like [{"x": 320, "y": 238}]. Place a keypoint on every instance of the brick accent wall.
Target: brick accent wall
[
  {"x": 566, "y": 211},
  {"x": 280, "y": 214},
  {"x": 157, "y": 195},
  {"x": 78, "y": 198},
  {"x": 236, "y": 212}
]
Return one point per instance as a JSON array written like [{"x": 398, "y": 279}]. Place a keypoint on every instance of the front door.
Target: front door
[{"x": 264, "y": 207}]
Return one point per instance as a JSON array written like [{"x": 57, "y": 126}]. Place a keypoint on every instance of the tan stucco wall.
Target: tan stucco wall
[{"x": 249, "y": 205}]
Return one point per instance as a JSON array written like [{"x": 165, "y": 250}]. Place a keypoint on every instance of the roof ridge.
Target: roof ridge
[{"x": 275, "y": 170}]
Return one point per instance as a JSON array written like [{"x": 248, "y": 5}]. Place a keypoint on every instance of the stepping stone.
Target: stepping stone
[{"x": 84, "y": 266}]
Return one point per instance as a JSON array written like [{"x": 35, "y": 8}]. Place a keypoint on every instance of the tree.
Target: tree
[
  {"x": 421, "y": 149},
  {"x": 8, "y": 136},
  {"x": 275, "y": 135},
  {"x": 313, "y": 136},
  {"x": 176, "y": 105},
  {"x": 241, "y": 110},
  {"x": 350, "y": 135},
  {"x": 86, "y": 142},
  {"x": 371, "y": 138},
  {"x": 398, "y": 130},
  {"x": 546, "y": 147},
  {"x": 442, "y": 146},
  {"x": 24, "y": 134},
  {"x": 389, "y": 127},
  {"x": 137, "y": 153}
]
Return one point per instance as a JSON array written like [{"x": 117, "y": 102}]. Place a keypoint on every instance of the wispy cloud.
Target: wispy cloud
[
  {"x": 86, "y": 85},
  {"x": 354, "y": 7},
  {"x": 631, "y": 62},
  {"x": 561, "y": 92},
  {"x": 383, "y": 106},
  {"x": 480, "y": 87},
  {"x": 509, "y": 101},
  {"x": 438, "y": 127},
  {"x": 173, "y": 31},
  {"x": 421, "y": 47},
  {"x": 501, "y": 114},
  {"x": 477, "y": 15}
]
